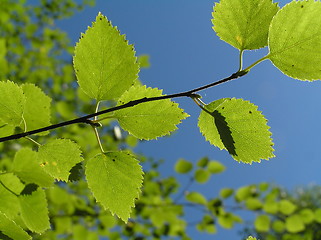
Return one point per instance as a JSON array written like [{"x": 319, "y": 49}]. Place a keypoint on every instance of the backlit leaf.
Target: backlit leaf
[
  {"x": 151, "y": 119},
  {"x": 244, "y": 23},
  {"x": 262, "y": 223},
  {"x": 12, "y": 102},
  {"x": 37, "y": 107},
  {"x": 294, "y": 224},
  {"x": 27, "y": 168},
  {"x": 196, "y": 197},
  {"x": 11, "y": 229},
  {"x": 295, "y": 40},
  {"x": 104, "y": 62},
  {"x": 286, "y": 207},
  {"x": 215, "y": 167},
  {"x": 34, "y": 211},
  {"x": 202, "y": 175},
  {"x": 238, "y": 127},
  {"x": 183, "y": 166},
  {"x": 115, "y": 179},
  {"x": 58, "y": 156}
]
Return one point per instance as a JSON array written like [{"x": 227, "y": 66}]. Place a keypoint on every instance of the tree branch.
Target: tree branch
[{"x": 86, "y": 118}]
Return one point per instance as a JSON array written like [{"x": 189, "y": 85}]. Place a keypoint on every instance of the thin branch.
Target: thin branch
[{"x": 86, "y": 119}]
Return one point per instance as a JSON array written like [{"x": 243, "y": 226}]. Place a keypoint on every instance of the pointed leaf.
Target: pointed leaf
[
  {"x": 294, "y": 223},
  {"x": 237, "y": 126},
  {"x": 183, "y": 166},
  {"x": 196, "y": 197},
  {"x": 244, "y": 23},
  {"x": 295, "y": 40},
  {"x": 27, "y": 168},
  {"x": 11, "y": 229},
  {"x": 215, "y": 167},
  {"x": 9, "y": 189},
  {"x": 58, "y": 156},
  {"x": 262, "y": 223},
  {"x": 115, "y": 179},
  {"x": 12, "y": 103},
  {"x": 104, "y": 63},
  {"x": 151, "y": 119},
  {"x": 34, "y": 211},
  {"x": 37, "y": 107}
]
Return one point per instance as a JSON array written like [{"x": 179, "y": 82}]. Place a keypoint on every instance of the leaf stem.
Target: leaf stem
[
  {"x": 86, "y": 119},
  {"x": 32, "y": 140},
  {"x": 98, "y": 139},
  {"x": 257, "y": 62},
  {"x": 241, "y": 60}
]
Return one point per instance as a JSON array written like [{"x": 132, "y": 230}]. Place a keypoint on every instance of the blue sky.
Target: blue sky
[{"x": 186, "y": 53}]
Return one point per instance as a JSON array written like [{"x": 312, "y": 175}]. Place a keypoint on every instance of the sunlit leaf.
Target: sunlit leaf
[
  {"x": 226, "y": 192},
  {"x": 183, "y": 166},
  {"x": 215, "y": 167},
  {"x": 151, "y": 119},
  {"x": 37, "y": 107},
  {"x": 58, "y": 156},
  {"x": 9, "y": 191},
  {"x": 262, "y": 223},
  {"x": 34, "y": 211},
  {"x": 294, "y": 224},
  {"x": 278, "y": 226},
  {"x": 27, "y": 168},
  {"x": 244, "y": 23},
  {"x": 196, "y": 197},
  {"x": 12, "y": 102},
  {"x": 238, "y": 127},
  {"x": 286, "y": 207},
  {"x": 202, "y": 175},
  {"x": 11, "y": 229},
  {"x": 104, "y": 62},
  {"x": 295, "y": 40},
  {"x": 115, "y": 179}
]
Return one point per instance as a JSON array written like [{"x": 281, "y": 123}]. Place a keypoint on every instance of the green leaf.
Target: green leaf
[
  {"x": 243, "y": 193},
  {"x": 307, "y": 215},
  {"x": 286, "y": 207},
  {"x": 271, "y": 206},
  {"x": 294, "y": 224},
  {"x": 196, "y": 197},
  {"x": 215, "y": 167},
  {"x": 317, "y": 215},
  {"x": 115, "y": 179},
  {"x": 34, "y": 211},
  {"x": 12, "y": 102},
  {"x": 11, "y": 229},
  {"x": 262, "y": 223},
  {"x": 202, "y": 175},
  {"x": 244, "y": 23},
  {"x": 278, "y": 226},
  {"x": 27, "y": 168},
  {"x": 253, "y": 203},
  {"x": 183, "y": 166},
  {"x": 104, "y": 62},
  {"x": 202, "y": 163},
  {"x": 37, "y": 107},
  {"x": 251, "y": 238},
  {"x": 238, "y": 127},
  {"x": 228, "y": 220},
  {"x": 151, "y": 119},
  {"x": 295, "y": 40},
  {"x": 9, "y": 189},
  {"x": 226, "y": 192},
  {"x": 58, "y": 156}
]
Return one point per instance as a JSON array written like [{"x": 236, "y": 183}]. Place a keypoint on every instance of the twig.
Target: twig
[{"x": 86, "y": 118}]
